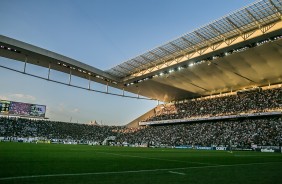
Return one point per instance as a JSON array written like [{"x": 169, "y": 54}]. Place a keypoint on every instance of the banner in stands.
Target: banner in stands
[
  {"x": 221, "y": 148},
  {"x": 12, "y": 108},
  {"x": 184, "y": 147},
  {"x": 242, "y": 149},
  {"x": 267, "y": 150},
  {"x": 203, "y": 148}
]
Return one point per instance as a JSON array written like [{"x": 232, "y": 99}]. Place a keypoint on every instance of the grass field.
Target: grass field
[{"x": 44, "y": 163}]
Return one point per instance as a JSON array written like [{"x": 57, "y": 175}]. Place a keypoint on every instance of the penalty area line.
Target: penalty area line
[{"x": 170, "y": 170}]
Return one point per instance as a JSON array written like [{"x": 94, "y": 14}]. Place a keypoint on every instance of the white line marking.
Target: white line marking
[
  {"x": 136, "y": 171},
  {"x": 173, "y": 172}
]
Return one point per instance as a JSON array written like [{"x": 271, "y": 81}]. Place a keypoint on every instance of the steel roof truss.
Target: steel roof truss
[
  {"x": 274, "y": 7},
  {"x": 202, "y": 37},
  {"x": 254, "y": 18},
  {"x": 233, "y": 24}
]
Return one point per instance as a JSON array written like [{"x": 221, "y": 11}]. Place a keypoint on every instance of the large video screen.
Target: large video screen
[
  {"x": 37, "y": 110},
  {"x": 18, "y": 108},
  {"x": 22, "y": 109}
]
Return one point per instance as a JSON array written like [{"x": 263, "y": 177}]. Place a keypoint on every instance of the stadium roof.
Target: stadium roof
[
  {"x": 249, "y": 18},
  {"x": 228, "y": 54}
]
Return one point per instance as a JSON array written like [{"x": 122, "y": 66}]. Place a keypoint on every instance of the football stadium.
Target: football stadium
[{"x": 218, "y": 118}]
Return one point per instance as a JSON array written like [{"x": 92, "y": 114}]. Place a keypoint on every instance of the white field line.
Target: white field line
[
  {"x": 179, "y": 173},
  {"x": 152, "y": 158},
  {"x": 136, "y": 171}
]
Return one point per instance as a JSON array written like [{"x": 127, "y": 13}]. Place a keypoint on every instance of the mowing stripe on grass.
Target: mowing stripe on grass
[
  {"x": 152, "y": 158},
  {"x": 137, "y": 171}
]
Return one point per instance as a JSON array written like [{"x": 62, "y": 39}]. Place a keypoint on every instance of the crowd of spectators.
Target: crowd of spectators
[
  {"x": 17, "y": 127},
  {"x": 251, "y": 102},
  {"x": 241, "y": 133},
  {"x": 266, "y": 131}
]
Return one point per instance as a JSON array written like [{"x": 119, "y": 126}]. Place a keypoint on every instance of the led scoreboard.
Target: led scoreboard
[{"x": 22, "y": 109}]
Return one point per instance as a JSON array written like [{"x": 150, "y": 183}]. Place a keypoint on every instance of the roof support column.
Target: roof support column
[
  {"x": 49, "y": 70},
  {"x": 70, "y": 78},
  {"x": 25, "y": 61},
  {"x": 89, "y": 82}
]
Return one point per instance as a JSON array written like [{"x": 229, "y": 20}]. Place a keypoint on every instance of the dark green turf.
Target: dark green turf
[{"x": 134, "y": 165}]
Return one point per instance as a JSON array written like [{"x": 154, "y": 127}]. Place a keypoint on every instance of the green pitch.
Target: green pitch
[{"x": 45, "y": 163}]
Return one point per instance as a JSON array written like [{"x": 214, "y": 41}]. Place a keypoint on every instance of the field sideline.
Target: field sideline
[{"x": 45, "y": 163}]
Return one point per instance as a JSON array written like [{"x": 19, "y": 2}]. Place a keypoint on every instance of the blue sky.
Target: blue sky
[{"x": 101, "y": 33}]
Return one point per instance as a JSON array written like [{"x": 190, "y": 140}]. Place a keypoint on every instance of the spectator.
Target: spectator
[{"x": 253, "y": 102}]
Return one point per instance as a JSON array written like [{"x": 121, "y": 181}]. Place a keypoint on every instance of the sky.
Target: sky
[{"x": 100, "y": 33}]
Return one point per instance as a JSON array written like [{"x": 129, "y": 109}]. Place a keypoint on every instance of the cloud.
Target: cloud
[
  {"x": 76, "y": 110},
  {"x": 22, "y": 97},
  {"x": 3, "y": 97}
]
